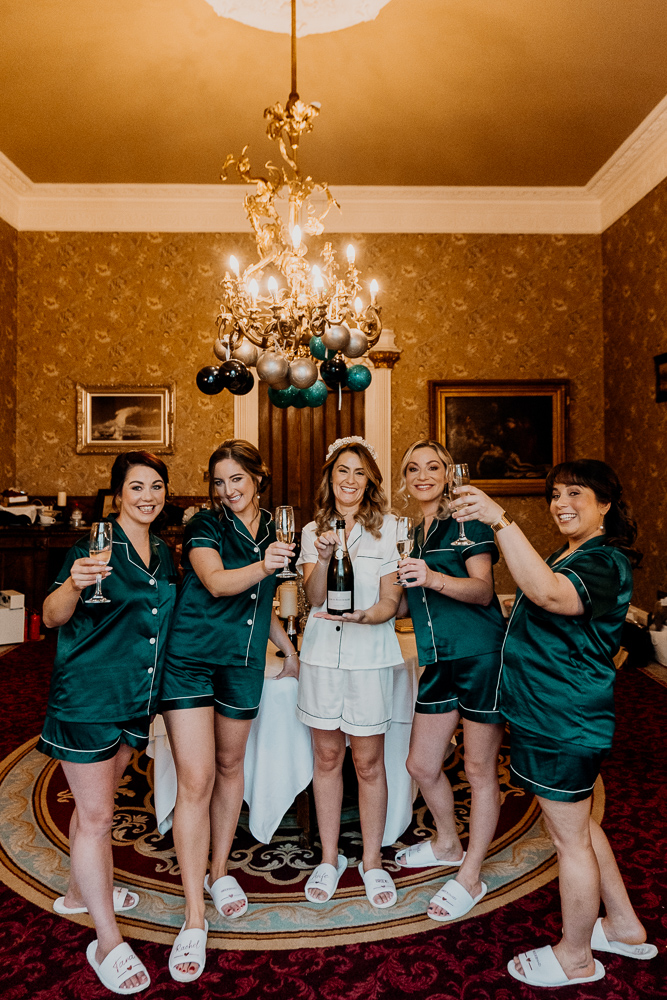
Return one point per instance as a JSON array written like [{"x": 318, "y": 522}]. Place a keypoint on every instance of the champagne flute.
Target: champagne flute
[
  {"x": 100, "y": 549},
  {"x": 284, "y": 519},
  {"x": 405, "y": 536},
  {"x": 461, "y": 477}
]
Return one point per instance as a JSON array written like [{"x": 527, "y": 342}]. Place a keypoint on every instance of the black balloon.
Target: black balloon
[
  {"x": 210, "y": 381},
  {"x": 235, "y": 375},
  {"x": 334, "y": 372},
  {"x": 243, "y": 385}
]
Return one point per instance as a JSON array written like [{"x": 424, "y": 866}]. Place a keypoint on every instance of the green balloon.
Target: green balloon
[
  {"x": 282, "y": 398},
  {"x": 318, "y": 350},
  {"x": 358, "y": 378},
  {"x": 298, "y": 401},
  {"x": 315, "y": 394}
]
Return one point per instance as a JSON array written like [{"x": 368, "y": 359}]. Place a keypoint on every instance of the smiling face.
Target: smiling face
[
  {"x": 348, "y": 482},
  {"x": 235, "y": 487},
  {"x": 577, "y": 512},
  {"x": 426, "y": 476},
  {"x": 142, "y": 496}
]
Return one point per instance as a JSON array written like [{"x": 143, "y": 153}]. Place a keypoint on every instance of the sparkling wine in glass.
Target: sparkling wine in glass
[
  {"x": 284, "y": 519},
  {"x": 405, "y": 537},
  {"x": 461, "y": 477},
  {"x": 100, "y": 549}
]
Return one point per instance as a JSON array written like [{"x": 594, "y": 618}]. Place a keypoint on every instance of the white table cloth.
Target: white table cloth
[{"x": 279, "y": 757}]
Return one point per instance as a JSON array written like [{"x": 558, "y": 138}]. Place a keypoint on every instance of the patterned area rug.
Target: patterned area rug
[{"x": 35, "y": 861}]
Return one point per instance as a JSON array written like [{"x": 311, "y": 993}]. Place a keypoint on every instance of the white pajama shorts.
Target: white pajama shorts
[{"x": 358, "y": 702}]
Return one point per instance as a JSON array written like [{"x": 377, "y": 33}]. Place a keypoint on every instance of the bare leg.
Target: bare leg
[
  {"x": 93, "y": 787},
  {"x": 429, "y": 740},
  {"x": 621, "y": 922},
  {"x": 73, "y": 897},
  {"x": 190, "y": 732},
  {"x": 579, "y": 883},
  {"x": 328, "y": 754},
  {"x": 231, "y": 737},
  {"x": 368, "y": 757},
  {"x": 482, "y": 743}
]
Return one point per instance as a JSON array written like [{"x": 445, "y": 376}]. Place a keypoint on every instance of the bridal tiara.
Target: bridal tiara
[{"x": 354, "y": 439}]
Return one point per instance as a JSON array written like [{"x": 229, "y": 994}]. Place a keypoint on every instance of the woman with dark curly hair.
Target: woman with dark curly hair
[
  {"x": 104, "y": 690},
  {"x": 213, "y": 682},
  {"x": 557, "y": 691},
  {"x": 347, "y": 678}
]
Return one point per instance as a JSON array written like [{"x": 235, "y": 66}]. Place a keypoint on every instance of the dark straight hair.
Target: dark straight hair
[
  {"x": 127, "y": 460},
  {"x": 619, "y": 525}
]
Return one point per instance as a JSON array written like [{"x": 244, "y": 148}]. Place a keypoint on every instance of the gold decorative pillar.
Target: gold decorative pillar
[{"x": 378, "y": 403}]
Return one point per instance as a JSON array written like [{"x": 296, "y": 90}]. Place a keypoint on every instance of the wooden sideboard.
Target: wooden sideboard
[{"x": 31, "y": 557}]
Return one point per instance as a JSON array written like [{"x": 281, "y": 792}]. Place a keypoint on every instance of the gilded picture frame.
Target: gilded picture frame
[
  {"x": 509, "y": 433},
  {"x": 116, "y": 418},
  {"x": 660, "y": 362}
]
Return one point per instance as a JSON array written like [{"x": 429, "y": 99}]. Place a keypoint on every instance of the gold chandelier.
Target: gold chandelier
[{"x": 301, "y": 330}]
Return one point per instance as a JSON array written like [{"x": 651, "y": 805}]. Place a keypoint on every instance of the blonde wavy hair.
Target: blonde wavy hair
[
  {"x": 402, "y": 495},
  {"x": 374, "y": 503}
]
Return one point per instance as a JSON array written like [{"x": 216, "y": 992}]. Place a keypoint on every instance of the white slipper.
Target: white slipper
[
  {"x": 326, "y": 878},
  {"x": 456, "y": 899},
  {"x": 120, "y": 894},
  {"x": 120, "y": 965},
  {"x": 542, "y": 968},
  {"x": 188, "y": 948},
  {"x": 422, "y": 856},
  {"x": 599, "y": 942},
  {"x": 226, "y": 890},
  {"x": 377, "y": 880}
]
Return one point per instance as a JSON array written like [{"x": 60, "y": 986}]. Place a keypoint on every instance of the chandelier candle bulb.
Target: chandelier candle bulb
[
  {"x": 350, "y": 254},
  {"x": 273, "y": 288},
  {"x": 374, "y": 291},
  {"x": 296, "y": 238},
  {"x": 234, "y": 264},
  {"x": 253, "y": 288}
]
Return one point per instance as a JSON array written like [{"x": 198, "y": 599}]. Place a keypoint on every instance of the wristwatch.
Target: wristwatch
[{"x": 504, "y": 520}]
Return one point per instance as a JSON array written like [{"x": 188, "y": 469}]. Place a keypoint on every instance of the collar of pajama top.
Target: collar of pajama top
[
  {"x": 349, "y": 645},
  {"x": 558, "y": 672},
  {"x": 110, "y": 656},
  {"x": 228, "y": 631},
  {"x": 447, "y": 629}
]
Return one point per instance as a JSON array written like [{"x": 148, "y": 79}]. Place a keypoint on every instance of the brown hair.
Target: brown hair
[
  {"x": 126, "y": 461},
  {"x": 443, "y": 511},
  {"x": 245, "y": 455},
  {"x": 619, "y": 525},
  {"x": 373, "y": 505}
]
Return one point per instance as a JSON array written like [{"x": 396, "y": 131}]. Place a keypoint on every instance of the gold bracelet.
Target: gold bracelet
[
  {"x": 442, "y": 585},
  {"x": 503, "y": 522}
]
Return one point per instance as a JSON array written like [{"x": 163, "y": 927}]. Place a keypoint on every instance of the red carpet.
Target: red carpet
[{"x": 43, "y": 957}]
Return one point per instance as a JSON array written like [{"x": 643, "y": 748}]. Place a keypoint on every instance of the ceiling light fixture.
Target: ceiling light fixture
[{"x": 300, "y": 330}]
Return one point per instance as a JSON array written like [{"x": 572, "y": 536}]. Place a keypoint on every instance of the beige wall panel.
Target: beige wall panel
[
  {"x": 8, "y": 336},
  {"x": 634, "y": 253}
]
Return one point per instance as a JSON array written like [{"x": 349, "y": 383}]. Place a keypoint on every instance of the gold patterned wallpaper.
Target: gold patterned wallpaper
[
  {"x": 634, "y": 253},
  {"x": 8, "y": 331},
  {"x": 126, "y": 308}
]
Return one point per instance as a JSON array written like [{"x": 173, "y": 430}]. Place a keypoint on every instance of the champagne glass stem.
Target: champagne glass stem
[{"x": 98, "y": 585}]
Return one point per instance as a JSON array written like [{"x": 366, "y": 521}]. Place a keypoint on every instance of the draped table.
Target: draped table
[{"x": 279, "y": 757}]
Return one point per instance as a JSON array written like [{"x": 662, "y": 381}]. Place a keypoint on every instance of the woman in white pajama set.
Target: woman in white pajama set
[{"x": 346, "y": 680}]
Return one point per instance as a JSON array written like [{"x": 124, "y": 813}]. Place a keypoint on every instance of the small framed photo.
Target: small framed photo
[
  {"x": 116, "y": 418},
  {"x": 660, "y": 361},
  {"x": 509, "y": 433}
]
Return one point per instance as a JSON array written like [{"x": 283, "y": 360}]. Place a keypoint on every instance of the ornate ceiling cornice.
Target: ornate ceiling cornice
[{"x": 630, "y": 173}]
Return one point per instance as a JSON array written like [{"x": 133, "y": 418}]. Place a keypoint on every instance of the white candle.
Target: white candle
[
  {"x": 62, "y": 498},
  {"x": 288, "y": 599}
]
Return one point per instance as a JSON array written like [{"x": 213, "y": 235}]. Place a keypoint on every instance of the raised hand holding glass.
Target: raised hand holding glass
[{"x": 100, "y": 549}]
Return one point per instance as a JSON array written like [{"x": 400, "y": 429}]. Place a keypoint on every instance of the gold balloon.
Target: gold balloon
[
  {"x": 272, "y": 367},
  {"x": 247, "y": 353},
  {"x": 337, "y": 337},
  {"x": 358, "y": 344},
  {"x": 303, "y": 373}
]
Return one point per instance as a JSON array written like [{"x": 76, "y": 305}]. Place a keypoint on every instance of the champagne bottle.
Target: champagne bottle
[{"x": 340, "y": 577}]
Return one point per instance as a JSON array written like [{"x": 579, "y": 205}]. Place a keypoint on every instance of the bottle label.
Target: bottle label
[{"x": 339, "y": 600}]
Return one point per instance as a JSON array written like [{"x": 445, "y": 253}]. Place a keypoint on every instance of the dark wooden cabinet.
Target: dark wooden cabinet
[{"x": 31, "y": 557}]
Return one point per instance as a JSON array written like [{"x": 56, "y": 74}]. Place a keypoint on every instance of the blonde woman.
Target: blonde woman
[
  {"x": 459, "y": 632},
  {"x": 346, "y": 680}
]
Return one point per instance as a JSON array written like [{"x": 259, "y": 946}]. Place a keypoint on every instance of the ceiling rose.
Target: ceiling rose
[{"x": 313, "y": 16}]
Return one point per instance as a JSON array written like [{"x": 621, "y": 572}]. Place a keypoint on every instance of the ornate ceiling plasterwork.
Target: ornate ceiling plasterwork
[{"x": 314, "y": 17}]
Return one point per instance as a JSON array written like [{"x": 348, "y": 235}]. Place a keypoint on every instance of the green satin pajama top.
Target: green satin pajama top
[
  {"x": 227, "y": 631},
  {"x": 558, "y": 671},
  {"x": 447, "y": 629},
  {"x": 110, "y": 656}
]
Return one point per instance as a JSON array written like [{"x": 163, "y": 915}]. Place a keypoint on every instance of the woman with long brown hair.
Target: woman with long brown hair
[
  {"x": 346, "y": 680},
  {"x": 213, "y": 682},
  {"x": 459, "y": 632}
]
